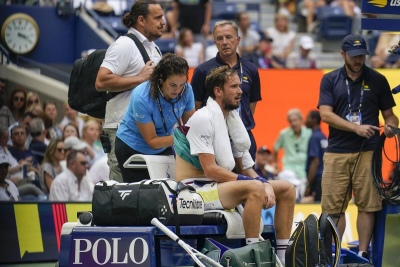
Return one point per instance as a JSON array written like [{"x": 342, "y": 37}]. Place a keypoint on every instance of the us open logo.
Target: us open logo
[{"x": 384, "y": 3}]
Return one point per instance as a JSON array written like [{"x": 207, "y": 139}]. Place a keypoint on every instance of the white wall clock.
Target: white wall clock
[{"x": 20, "y": 33}]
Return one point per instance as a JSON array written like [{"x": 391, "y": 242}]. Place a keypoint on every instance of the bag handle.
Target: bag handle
[
  {"x": 174, "y": 205},
  {"x": 323, "y": 221}
]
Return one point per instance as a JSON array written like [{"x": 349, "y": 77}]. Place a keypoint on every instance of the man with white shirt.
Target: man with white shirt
[
  {"x": 8, "y": 190},
  {"x": 73, "y": 184},
  {"x": 123, "y": 67}
]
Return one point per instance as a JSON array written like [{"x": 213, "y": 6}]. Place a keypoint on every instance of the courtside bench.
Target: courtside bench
[{"x": 137, "y": 246}]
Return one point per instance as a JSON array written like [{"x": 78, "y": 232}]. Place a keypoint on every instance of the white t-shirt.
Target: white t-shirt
[
  {"x": 11, "y": 194},
  {"x": 281, "y": 40},
  {"x": 123, "y": 58},
  {"x": 65, "y": 188},
  {"x": 295, "y": 61},
  {"x": 100, "y": 170},
  {"x": 250, "y": 39},
  {"x": 12, "y": 161},
  {"x": 191, "y": 54}
]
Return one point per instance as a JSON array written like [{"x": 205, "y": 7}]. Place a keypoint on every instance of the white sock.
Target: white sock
[
  {"x": 360, "y": 253},
  {"x": 281, "y": 245},
  {"x": 251, "y": 240}
]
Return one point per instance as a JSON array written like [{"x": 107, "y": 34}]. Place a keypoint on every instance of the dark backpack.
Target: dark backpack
[
  {"x": 310, "y": 244},
  {"x": 82, "y": 93}
]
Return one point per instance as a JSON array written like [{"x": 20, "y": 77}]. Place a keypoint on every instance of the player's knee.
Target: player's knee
[{"x": 255, "y": 190}]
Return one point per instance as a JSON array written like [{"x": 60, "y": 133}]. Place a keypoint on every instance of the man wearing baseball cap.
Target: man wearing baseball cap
[
  {"x": 304, "y": 58},
  {"x": 350, "y": 101},
  {"x": 8, "y": 190}
]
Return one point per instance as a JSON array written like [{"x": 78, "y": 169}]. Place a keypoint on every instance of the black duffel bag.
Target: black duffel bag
[{"x": 136, "y": 204}]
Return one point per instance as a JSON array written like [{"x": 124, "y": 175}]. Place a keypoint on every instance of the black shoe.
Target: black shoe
[{"x": 365, "y": 255}]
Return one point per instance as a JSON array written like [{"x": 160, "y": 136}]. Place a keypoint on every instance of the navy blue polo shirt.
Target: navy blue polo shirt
[
  {"x": 251, "y": 88},
  {"x": 316, "y": 149},
  {"x": 377, "y": 96}
]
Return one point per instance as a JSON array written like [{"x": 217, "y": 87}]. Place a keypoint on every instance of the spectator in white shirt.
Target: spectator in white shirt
[
  {"x": 73, "y": 184},
  {"x": 8, "y": 190},
  {"x": 304, "y": 58}
]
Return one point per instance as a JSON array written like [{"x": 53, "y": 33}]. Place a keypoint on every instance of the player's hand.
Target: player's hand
[
  {"x": 269, "y": 200},
  {"x": 147, "y": 70},
  {"x": 366, "y": 131}
]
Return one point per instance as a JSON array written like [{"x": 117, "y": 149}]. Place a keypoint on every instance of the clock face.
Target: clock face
[{"x": 20, "y": 33}]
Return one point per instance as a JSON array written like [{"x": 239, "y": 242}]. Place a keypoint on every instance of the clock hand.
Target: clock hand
[{"x": 23, "y": 36}]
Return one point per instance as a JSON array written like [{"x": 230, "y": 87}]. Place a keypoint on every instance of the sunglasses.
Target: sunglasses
[
  {"x": 84, "y": 163},
  {"x": 60, "y": 149},
  {"x": 20, "y": 99},
  {"x": 31, "y": 101}
]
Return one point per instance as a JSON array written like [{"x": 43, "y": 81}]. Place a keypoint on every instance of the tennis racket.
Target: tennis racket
[{"x": 198, "y": 257}]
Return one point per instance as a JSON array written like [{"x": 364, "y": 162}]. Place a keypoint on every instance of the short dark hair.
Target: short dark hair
[
  {"x": 72, "y": 156},
  {"x": 140, "y": 8},
  {"x": 217, "y": 78},
  {"x": 314, "y": 115}
]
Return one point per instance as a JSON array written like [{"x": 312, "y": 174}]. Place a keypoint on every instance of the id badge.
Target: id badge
[{"x": 354, "y": 117}]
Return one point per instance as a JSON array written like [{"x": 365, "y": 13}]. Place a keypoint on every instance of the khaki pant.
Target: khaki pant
[
  {"x": 336, "y": 178},
  {"x": 115, "y": 172}
]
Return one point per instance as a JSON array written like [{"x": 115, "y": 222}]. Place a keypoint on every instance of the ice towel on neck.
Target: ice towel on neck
[{"x": 235, "y": 132}]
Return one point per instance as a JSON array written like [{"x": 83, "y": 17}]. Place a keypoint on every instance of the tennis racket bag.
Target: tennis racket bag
[{"x": 135, "y": 204}]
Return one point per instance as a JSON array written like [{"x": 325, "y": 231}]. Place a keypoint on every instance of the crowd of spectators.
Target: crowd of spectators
[{"x": 36, "y": 145}]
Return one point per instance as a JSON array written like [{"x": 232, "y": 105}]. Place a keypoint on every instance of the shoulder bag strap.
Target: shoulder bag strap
[
  {"x": 140, "y": 46},
  {"x": 142, "y": 51}
]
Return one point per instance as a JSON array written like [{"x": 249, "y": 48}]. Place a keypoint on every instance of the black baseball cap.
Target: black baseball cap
[{"x": 354, "y": 45}]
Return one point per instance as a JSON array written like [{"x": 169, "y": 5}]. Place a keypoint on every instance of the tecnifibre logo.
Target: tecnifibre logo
[
  {"x": 383, "y": 3},
  {"x": 124, "y": 193}
]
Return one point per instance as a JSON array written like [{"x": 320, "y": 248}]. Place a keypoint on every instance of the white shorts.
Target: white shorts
[{"x": 209, "y": 193}]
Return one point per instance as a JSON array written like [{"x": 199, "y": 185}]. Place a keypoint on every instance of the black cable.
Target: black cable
[
  {"x": 350, "y": 182},
  {"x": 388, "y": 189}
]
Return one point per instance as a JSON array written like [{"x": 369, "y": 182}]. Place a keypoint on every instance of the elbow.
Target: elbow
[
  {"x": 100, "y": 86},
  {"x": 324, "y": 117}
]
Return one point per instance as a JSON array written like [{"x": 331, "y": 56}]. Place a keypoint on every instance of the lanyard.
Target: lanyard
[
  {"x": 241, "y": 72},
  {"x": 162, "y": 114},
  {"x": 361, "y": 96}
]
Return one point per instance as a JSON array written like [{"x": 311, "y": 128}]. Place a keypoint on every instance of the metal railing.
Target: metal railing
[
  {"x": 46, "y": 70},
  {"x": 4, "y": 55}
]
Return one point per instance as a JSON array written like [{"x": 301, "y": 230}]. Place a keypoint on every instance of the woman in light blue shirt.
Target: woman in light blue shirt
[{"x": 155, "y": 107}]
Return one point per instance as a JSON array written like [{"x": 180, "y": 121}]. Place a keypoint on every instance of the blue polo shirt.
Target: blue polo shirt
[
  {"x": 144, "y": 109},
  {"x": 251, "y": 88},
  {"x": 376, "y": 97},
  {"x": 316, "y": 149}
]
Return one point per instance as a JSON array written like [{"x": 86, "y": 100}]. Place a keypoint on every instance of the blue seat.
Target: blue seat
[
  {"x": 115, "y": 23},
  {"x": 224, "y": 11},
  {"x": 166, "y": 45},
  {"x": 334, "y": 24}
]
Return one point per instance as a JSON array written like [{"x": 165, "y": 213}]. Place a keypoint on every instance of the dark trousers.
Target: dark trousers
[
  {"x": 316, "y": 190},
  {"x": 123, "y": 153}
]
